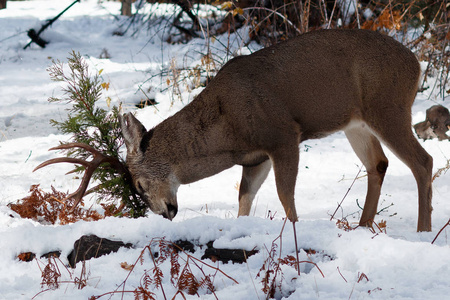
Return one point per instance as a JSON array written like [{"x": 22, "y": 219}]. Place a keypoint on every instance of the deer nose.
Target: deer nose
[{"x": 171, "y": 212}]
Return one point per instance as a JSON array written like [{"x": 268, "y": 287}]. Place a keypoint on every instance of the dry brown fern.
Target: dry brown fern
[
  {"x": 50, "y": 208},
  {"x": 182, "y": 265}
]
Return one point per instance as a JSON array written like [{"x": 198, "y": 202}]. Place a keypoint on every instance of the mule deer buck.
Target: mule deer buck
[{"x": 260, "y": 107}]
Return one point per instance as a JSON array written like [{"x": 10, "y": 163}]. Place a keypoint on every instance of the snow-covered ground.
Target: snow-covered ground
[{"x": 401, "y": 264}]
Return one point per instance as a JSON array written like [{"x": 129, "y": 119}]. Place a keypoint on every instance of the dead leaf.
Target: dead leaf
[
  {"x": 26, "y": 256},
  {"x": 126, "y": 266}
]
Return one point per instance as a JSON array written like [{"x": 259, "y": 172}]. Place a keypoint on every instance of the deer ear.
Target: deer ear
[{"x": 132, "y": 131}]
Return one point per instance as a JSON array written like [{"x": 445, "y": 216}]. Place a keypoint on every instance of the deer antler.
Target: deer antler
[{"x": 91, "y": 166}]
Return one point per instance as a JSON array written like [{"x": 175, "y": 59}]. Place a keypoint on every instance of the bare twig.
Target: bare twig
[
  {"x": 343, "y": 198},
  {"x": 341, "y": 274},
  {"x": 440, "y": 231},
  {"x": 275, "y": 13}
]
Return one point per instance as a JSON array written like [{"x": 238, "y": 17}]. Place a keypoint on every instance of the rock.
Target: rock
[
  {"x": 226, "y": 255},
  {"x": 92, "y": 246},
  {"x": 29, "y": 256},
  {"x": 185, "y": 245},
  {"x": 51, "y": 254}
]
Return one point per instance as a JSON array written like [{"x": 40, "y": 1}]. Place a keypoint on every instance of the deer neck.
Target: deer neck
[{"x": 192, "y": 143}]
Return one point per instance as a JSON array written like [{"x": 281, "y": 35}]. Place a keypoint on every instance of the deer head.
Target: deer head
[{"x": 151, "y": 177}]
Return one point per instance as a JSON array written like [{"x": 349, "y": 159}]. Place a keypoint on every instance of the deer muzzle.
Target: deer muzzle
[{"x": 171, "y": 212}]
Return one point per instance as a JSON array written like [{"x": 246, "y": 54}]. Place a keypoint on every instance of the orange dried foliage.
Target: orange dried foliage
[
  {"x": 50, "y": 208},
  {"x": 111, "y": 210},
  {"x": 382, "y": 224},
  {"x": 388, "y": 20},
  {"x": 344, "y": 225},
  {"x": 26, "y": 256},
  {"x": 51, "y": 275},
  {"x": 126, "y": 266}
]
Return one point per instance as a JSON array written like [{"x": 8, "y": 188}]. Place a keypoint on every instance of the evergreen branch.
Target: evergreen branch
[{"x": 94, "y": 126}]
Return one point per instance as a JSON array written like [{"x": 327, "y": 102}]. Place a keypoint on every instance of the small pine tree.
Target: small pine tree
[{"x": 94, "y": 126}]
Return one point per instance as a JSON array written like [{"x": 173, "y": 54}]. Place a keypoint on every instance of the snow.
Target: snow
[{"x": 359, "y": 264}]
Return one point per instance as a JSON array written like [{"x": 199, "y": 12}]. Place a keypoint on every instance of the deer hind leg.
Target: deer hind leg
[
  {"x": 369, "y": 151},
  {"x": 285, "y": 165},
  {"x": 400, "y": 139},
  {"x": 252, "y": 179}
]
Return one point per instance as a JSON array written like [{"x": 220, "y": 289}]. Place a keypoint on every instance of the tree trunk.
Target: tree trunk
[
  {"x": 2, "y": 4},
  {"x": 126, "y": 8}
]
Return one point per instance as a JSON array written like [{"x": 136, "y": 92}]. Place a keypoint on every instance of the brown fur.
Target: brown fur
[
  {"x": 259, "y": 108},
  {"x": 436, "y": 124}
]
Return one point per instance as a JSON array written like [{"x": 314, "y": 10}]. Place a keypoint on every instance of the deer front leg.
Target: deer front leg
[
  {"x": 252, "y": 179},
  {"x": 285, "y": 165}
]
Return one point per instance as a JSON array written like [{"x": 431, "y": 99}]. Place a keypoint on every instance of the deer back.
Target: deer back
[{"x": 315, "y": 83}]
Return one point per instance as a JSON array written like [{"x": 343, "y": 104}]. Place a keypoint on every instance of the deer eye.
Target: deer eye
[{"x": 139, "y": 186}]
